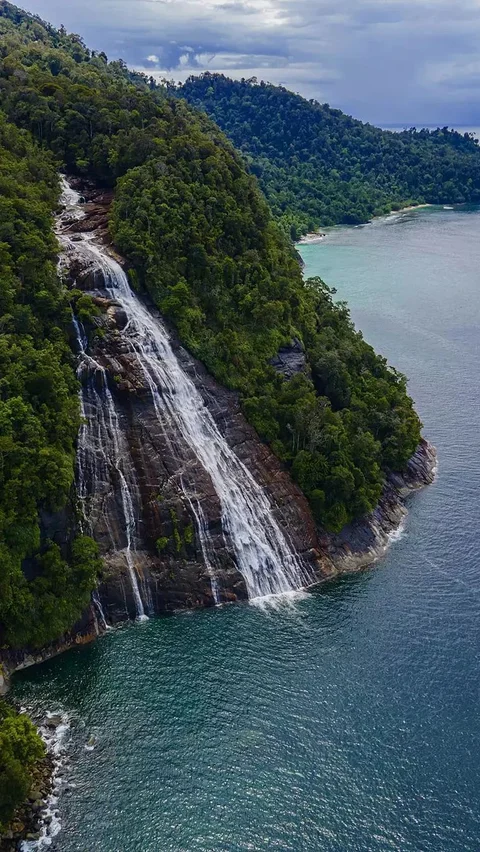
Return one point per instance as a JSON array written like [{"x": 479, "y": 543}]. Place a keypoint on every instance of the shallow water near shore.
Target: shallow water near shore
[{"x": 347, "y": 719}]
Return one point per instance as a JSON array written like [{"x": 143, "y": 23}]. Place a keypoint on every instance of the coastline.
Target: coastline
[
  {"x": 45, "y": 821},
  {"x": 358, "y": 546},
  {"x": 313, "y": 237},
  {"x": 407, "y": 209},
  {"x": 366, "y": 540},
  {"x": 36, "y": 822}
]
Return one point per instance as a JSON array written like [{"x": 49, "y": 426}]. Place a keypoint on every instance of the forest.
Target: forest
[
  {"x": 39, "y": 409},
  {"x": 202, "y": 241},
  {"x": 319, "y": 167}
]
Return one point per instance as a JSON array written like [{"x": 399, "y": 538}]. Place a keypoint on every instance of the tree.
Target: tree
[{"x": 20, "y": 748}]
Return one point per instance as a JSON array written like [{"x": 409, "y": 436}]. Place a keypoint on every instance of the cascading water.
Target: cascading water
[
  {"x": 255, "y": 540},
  {"x": 99, "y": 452}
]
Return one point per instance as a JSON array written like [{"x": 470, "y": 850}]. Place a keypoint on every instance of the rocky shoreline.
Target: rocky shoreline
[
  {"x": 366, "y": 540},
  {"x": 356, "y": 547},
  {"x": 28, "y": 820},
  {"x": 37, "y": 822}
]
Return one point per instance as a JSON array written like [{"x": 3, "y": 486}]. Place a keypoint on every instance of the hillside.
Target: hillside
[
  {"x": 318, "y": 166},
  {"x": 201, "y": 239}
]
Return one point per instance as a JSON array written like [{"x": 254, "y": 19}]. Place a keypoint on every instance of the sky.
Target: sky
[{"x": 408, "y": 62}]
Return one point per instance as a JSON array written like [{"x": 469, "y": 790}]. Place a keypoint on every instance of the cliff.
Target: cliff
[
  {"x": 165, "y": 479},
  {"x": 171, "y": 565},
  {"x": 166, "y": 473}
]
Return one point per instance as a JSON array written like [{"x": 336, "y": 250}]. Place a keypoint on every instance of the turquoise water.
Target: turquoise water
[{"x": 349, "y": 721}]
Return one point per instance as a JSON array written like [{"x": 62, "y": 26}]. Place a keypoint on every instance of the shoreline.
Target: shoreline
[
  {"x": 313, "y": 237},
  {"x": 37, "y": 821},
  {"x": 366, "y": 540},
  {"x": 359, "y": 546},
  {"x": 407, "y": 209}
]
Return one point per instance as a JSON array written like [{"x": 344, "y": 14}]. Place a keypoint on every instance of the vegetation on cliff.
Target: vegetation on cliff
[
  {"x": 318, "y": 166},
  {"x": 202, "y": 240},
  {"x": 41, "y": 592},
  {"x": 20, "y": 749}
]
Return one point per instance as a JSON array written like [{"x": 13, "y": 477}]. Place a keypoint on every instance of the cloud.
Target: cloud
[{"x": 405, "y": 61}]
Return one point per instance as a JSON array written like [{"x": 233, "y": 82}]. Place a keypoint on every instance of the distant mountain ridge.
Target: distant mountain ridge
[{"x": 318, "y": 166}]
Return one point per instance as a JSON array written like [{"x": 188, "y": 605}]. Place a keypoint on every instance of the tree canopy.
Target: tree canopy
[
  {"x": 39, "y": 410},
  {"x": 20, "y": 749}
]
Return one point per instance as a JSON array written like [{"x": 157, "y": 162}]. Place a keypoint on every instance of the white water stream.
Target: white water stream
[
  {"x": 99, "y": 451},
  {"x": 257, "y": 544}
]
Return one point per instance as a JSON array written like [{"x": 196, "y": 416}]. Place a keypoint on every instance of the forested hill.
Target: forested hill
[
  {"x": 201, "y": 239},
  {"x": 318, "y": 166}
]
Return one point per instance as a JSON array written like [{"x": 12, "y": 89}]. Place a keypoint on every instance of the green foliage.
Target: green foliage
[
  {"x": 188, "y": 534},
  {"x": 318, "y": 166},
  {"x": 39, "y": 414},
  {"x": 177, "y": 538},
  {"x": 83, "y": 306},
  {"x": 20, "y": 748},
  {"x": 161, "y": 543},
  {"x": 62, "y": 590},
  {"x": 97, "y": 118}
]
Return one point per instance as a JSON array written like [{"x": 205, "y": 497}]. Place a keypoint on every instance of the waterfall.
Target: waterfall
[
  {"x": 98, "y": 606},
  {"x": 100, "y": 453},
  {"x": 99, "y": 434},
  {"x": 208, "y": 552},
  {"x": 256, "y": 542}
]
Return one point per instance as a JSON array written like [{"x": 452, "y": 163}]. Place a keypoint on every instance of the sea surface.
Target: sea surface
[{"x": 349, "y": 719}]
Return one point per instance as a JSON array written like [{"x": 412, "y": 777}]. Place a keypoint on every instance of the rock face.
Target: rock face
[
  {"x": 168, "y": 558},
  {"x": 171, "y": 496},
  {"x": 290, "y": 359},
  {"x": 88, "y": 628}
]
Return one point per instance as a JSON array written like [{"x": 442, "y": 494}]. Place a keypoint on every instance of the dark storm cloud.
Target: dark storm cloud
[{"x": 384, "y": 60}]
